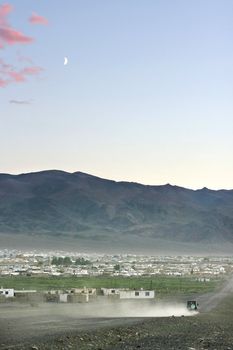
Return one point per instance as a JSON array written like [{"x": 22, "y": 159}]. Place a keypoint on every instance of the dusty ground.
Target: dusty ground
[{"x": 212, "y": 329}]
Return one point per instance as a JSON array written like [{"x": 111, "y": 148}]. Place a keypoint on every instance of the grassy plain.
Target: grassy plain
[{"x": 162, "y": 284}]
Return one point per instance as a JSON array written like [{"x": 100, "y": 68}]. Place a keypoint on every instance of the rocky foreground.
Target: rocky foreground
[{"x": 213, "y": 330}]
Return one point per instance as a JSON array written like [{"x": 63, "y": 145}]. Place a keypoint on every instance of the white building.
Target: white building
[
  {"x": 8, "y": 293},
  {"x": 110, "y": 291},
  {"x": 137, "y": 294}
]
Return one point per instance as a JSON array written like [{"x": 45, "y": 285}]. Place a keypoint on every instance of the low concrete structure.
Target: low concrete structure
[
  {"x": 29, "y": 296},
  {"x": 137, "y": 294}
]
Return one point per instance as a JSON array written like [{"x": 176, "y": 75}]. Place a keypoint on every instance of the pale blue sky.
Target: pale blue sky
[{"x": 146, "y": 96}]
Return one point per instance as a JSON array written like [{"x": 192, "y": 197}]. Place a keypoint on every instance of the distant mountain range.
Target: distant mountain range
[{"x": 85, "y": 207}]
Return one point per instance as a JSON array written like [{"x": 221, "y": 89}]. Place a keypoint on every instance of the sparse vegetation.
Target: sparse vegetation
[
  {"x": 82, "y": 261},
  {"x": 59, "y": 261},
  {"x": 117, "y": 267}
]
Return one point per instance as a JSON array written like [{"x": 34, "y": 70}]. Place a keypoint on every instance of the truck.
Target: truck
[{"x": 192, "y": 305}]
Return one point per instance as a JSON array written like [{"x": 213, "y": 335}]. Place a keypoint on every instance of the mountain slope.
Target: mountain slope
[{"x": 56, "y": 203}]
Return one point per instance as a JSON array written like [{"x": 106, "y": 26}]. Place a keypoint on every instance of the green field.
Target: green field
[{"x": 161, "y": 284}]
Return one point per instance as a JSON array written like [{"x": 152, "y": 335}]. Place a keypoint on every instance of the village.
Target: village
[{"x": 59, "y": 263}]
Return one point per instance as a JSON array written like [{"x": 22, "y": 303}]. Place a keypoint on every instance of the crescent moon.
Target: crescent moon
[{"x": 65, "y": 61}]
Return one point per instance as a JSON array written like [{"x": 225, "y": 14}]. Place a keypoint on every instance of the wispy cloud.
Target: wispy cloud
[
  {"x": 23, "y": 59},
  {"x": 20, "y": 102},
  {"x": 9, "y": 74},
  {"x": 36, "y": 19},
  {"x": 9, "y": 35}
]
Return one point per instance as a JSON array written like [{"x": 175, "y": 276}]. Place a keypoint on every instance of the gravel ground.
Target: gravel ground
[{"x": 198, "y": 332}]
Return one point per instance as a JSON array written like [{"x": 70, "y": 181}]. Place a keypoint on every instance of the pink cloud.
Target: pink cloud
[
  {"x": 36, "y": 19},
  {"x": 31, "y": 70},
  {"x": 9, "y": 75},
  {"x": 9, "y": 35},
  {"x": 3, "y": 82},
  {"x": 5, "y": 9},
  {"x": 17, "y": 77}
]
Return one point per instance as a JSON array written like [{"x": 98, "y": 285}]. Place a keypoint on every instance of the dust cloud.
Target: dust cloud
[
  {"x": 132, "y": 309},
  {"x": 111, "y": 309},
  {"x": 100, "y": 309}
]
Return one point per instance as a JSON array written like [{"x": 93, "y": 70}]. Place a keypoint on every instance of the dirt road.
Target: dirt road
[
  {"x": 209, "y": 301},
  {"x": 21, "y": 324}
]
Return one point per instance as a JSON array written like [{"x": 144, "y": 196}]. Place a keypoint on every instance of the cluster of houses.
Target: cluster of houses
[
  {"x": 14, "y": 263},
  {"x": 74, "y": 295}
]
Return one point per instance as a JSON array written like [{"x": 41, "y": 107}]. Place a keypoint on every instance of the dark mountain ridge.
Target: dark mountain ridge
[{"x": 60, "y": 204}]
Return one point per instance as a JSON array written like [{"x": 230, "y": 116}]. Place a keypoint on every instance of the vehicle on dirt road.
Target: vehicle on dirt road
[{"x": 192, "y": 305}]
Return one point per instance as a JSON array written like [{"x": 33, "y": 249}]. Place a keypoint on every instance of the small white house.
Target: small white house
[
  {"x": 137, "y": 294},
  {"x": 8, "y": 293}
]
